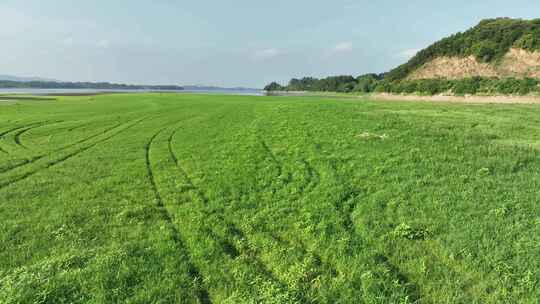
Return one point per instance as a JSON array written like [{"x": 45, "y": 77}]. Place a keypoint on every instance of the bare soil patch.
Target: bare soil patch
[
  {"x": 473, "y": 99},
  {"x": 516, "y": 63}
]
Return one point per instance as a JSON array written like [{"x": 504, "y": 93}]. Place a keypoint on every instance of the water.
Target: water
[
  {"x": 63, "y": 91},
  {"x": 90, "y": 91},
  {"x": 249, "y": 92}
]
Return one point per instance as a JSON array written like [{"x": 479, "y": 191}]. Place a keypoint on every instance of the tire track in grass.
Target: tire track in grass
[
  {"x": 232, "y": 230},
  {"x": 322, "y": 267},
  {"x": 201, "y": 292},
  {"x": 17, "y": 136},
  {"x": 277, "y": 164},
  {"x": 33, "y": 159},
  {"x": 71, "y": 124},
  {"x": 313, "y": 179},
  {"x": 309, "y": 181},
  {"x": 78, "y": 127},
  {"x": 18, "y": 163},
  {"x": 228, "y": 248},
  {"x": 474, "y": 285},
  {"x": 313, "y": 176},
  {"x": 66, "y": 157},
  {"x": 233, "y": 251},
  {"x": 345, "y": 206},
  {"x": 74, "y": 125},
  {"x": 268, "y": 151},
  {"x": 183, "y": 172},
  {"x": 346, "y": 202},
  {"x": 95, "y": 135},
  {"x": 4, "y": 133}
]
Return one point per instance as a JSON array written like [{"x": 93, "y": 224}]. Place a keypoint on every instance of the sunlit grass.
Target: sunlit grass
[{"x": 239, "y": 199}]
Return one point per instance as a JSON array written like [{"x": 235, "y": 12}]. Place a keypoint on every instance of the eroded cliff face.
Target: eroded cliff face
[{"x": 516, "y": 63}]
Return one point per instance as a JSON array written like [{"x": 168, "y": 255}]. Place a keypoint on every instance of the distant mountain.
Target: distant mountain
[
  {"x": 26, "y": 79},
  {"x": 10, "y": 84}
]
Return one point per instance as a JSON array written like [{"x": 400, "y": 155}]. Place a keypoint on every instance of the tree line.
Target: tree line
[
  {"x": 371, "y": 83},
  {"x": 466, "y": 86},
  {"x": 342, "y": 84}
]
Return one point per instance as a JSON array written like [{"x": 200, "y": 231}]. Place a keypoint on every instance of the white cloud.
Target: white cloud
[
  {"x": 68, "y": 41},
  {"x": 103, "y": 44},
  {"x": 407, "y": 54},
  {"x": 267, "y": 53},
  {"x": 14, "y": 21},
  {"x": 343, "y": 47}
]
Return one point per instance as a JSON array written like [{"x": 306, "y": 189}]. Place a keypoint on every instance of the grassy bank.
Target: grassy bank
[{"x": 243, "y": 199}]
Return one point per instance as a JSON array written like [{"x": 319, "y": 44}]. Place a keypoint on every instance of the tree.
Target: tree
[
  {"x": 366, "y": 83},
  {"x": 274, "y": 86},
  {"x": 485, "y": 51}
]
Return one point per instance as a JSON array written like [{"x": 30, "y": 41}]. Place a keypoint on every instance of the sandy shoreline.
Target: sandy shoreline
[
  {"x": 471, "y": 99},
  {"x": 460, "y": 99}
]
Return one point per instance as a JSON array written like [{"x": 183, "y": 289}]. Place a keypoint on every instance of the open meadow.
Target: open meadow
[{"x": 179, "y": 198}]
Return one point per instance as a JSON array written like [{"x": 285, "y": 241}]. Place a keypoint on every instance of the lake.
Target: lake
[{"x": 90, "y": 91}]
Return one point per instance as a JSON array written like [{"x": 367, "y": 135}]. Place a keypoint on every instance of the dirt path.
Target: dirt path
[{"x": 461, "y": 99}]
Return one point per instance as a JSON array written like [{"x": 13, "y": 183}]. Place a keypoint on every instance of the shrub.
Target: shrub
[{"x": 410, "y": 233}]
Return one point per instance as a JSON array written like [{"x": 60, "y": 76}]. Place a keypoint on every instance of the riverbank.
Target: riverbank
[
  {"x": 503, "y": 99},
  {"x": 316, "y": 94},
  {"x": 475, "y": 99}
]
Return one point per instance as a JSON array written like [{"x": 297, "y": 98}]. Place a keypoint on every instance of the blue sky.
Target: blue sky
[{"x": 228, "y": 43}]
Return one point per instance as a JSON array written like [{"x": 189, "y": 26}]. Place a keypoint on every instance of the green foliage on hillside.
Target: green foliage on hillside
[
  {"x": 342, "y": 84},
  {"x": 489, "y": 41},
  {"x": 370, "y": 83},
  {"x": 274, "y": 86},
  {"x": 367, "y": 83},
  {"x": 474, "y": 85}
]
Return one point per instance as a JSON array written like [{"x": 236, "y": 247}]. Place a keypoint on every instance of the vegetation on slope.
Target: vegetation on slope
[
  {"x": 488, "y": 42},
  {"x": 466, "y": 86},
  {"x": 475, "y": 85},
  {"x": 341, "y": 84}
]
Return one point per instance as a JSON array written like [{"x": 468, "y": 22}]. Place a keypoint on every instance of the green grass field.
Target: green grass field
[{"x": 240, "y": 199}]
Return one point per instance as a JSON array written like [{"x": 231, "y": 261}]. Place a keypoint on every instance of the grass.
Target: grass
[{"x": 170, "y": 198}]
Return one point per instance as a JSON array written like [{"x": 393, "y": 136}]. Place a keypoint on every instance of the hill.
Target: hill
[
  {"x": 499, "y": 56},
  {"x": 500, "y": 47}
]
